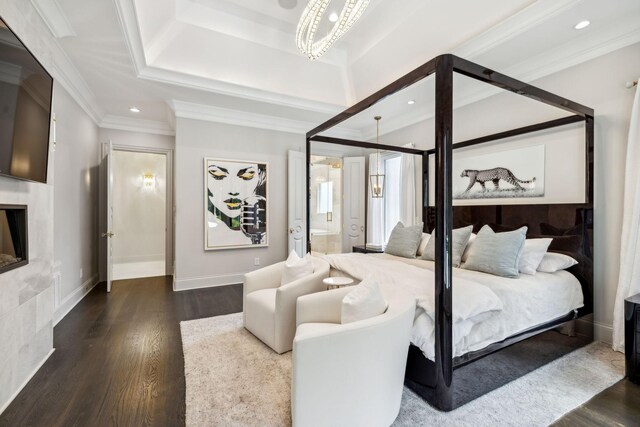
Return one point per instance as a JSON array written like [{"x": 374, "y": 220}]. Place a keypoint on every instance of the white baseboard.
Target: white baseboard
[
  {"x": 26, "y": 381},
  {"x": 74, "y": 298},
  {"x": 601, "y": 331},
  {"x": 206, "y": 281}
]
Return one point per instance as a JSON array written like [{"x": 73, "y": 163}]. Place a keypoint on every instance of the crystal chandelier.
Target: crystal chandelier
[
  {"x": 311, "y": 17},
  {"x": 377, "y": 180}
]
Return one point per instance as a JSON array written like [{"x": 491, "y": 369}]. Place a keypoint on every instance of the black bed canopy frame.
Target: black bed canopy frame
[{"x": 444, "y": 67}]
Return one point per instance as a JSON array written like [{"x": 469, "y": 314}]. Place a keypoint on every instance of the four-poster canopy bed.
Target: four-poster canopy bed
[{"x": 434, "y": 379}]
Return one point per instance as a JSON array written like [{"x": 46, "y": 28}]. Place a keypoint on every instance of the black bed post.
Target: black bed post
[
  {"x": 589, "y": 148},
  {"x": 425, "y": 191},
  {"x": 308, "y": 194},
  {"x": 443, "y": 289}
]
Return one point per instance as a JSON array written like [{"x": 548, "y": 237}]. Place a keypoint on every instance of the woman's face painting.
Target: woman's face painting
[{"x": 231, "y": 183}]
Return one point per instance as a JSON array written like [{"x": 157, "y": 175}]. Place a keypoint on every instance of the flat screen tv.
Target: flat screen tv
[{"x": 25, "y": 110}]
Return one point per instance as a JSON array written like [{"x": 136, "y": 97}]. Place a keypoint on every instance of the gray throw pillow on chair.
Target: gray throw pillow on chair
[
  {"x": 404, "y": 241},
  {"x": 496, "y": 253},
  {"x": 460, "y": 238}
]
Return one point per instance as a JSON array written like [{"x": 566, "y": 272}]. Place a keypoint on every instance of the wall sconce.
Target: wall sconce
[{"x": 149, "y": 180}]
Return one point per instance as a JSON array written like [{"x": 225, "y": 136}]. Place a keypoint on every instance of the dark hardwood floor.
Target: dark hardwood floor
[
  {"x": 118, "y": 358},
  {"x": 118, "y": 361},
  {"x": 618, "y": 405}
]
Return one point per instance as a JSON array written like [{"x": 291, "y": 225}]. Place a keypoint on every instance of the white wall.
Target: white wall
[
  {"x": 26, "y": 293},
  {"x": 75, "y": 208},
  {"x": 196, "y": 140},
  {"x": 599, "y": 84},
  {"x": 139, "y": 211}
]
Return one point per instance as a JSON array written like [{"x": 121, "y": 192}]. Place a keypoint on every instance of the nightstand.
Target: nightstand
[
  {"x": 366, "y": 250},
  {"x": 632, "y": 337},
  {"x": 337, "y": 282}
]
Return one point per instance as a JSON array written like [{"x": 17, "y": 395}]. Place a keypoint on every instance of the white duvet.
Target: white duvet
[{"x": 486, "y": 308}]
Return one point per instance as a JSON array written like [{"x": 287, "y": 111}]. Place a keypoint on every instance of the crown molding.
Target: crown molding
[
  {"x": 73, "y": 82},
  {"x": 513, "y": 26},
  {"x": 54, "y": 17},
  {"x": 237, "y": 91},
  {"x": 31, "y": 26},
  {"x": 188, "y": 110},
  {"x": 535, "y": 68},
  {"x": 136, "y": 125},
  {"x": 129, "y": 23},
  {"x": 555, "y": 60}
]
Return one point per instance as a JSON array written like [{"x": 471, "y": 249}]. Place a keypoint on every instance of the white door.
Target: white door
[
  {"x": 107, "y": 232},
  {"x": 297, "y": 204},
  {"x": 354, "y": 198}
]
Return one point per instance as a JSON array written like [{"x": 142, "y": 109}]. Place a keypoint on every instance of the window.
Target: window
[
  {"x": 325, "y": 197},
  {"x": 392, "y": 193}
]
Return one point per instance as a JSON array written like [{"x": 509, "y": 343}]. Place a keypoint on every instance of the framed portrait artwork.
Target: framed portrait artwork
[{"x": 236, "y": 204}]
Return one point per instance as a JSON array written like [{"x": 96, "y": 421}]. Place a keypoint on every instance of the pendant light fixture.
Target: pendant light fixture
[
  {"x": 306, "y": 39},
  {"x": 377, "y": 180}
]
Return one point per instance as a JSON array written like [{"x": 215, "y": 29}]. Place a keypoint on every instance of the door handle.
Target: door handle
[
  {"x": 291, "y": 231},
  {"x": 108, "y": 234},
  {"x": 362, "y": 228}
]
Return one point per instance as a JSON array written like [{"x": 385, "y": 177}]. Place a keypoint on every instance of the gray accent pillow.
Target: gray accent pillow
[
  {"x": 460, "y": 237},
  {"x": 404, "y": 241},
  {"x": 496, "y": 253}
]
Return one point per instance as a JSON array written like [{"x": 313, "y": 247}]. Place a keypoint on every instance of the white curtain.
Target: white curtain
[
  {"x": 629, "y": 276},
  {"x": 375, "y": 208},
  {"x": 408, "y": 213}
]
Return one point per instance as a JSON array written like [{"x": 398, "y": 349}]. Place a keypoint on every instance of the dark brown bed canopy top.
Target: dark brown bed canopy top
[{"x": 443, "y": 216}]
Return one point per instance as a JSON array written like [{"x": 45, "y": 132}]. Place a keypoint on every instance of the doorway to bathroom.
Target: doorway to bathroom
[{"x": 326, "y": 204}]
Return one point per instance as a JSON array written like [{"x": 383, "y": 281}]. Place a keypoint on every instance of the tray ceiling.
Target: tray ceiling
[{"x": 227, "y": 58}]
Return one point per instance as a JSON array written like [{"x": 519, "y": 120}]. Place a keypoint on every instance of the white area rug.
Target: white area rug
[{"x": 233, "y": 379}]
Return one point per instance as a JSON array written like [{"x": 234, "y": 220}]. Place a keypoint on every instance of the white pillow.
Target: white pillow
[
  {"x": 363, "y": 302},
  {"x": 423, "y": 243},
  {"x": 465, "y": 254},
  {"x": 552, "y": 262},
  {"x": 532, "y": 254},
  {"x": 296, "y": 268}
]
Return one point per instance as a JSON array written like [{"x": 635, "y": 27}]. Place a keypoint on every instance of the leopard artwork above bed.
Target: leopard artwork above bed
[{"x": 494, "y": 175}]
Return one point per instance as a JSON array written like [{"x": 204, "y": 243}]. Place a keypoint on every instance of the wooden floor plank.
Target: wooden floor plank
[
  {"x": 118, "y": 358},
  {"x": 119, "y": 361}
]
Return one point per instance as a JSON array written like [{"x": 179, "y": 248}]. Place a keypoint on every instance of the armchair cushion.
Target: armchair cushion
[
  {"x": 364, "y": 301},
  {"x": 355, "y": 369},
  {"x": 296, "y": 268},
  {"x": 258, "y": 313},
  {"x": 270, "y": 308}
]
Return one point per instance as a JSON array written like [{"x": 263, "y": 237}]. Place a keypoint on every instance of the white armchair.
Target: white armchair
[
  {"x": 269, "y": 309},
  {"x": 351, "y": 374}
]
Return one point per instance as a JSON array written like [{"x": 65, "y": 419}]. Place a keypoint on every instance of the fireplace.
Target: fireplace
[{"x": 14, "y": 251}]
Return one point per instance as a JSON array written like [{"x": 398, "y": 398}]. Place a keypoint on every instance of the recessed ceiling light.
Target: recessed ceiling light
[
  {"x": 134, "y": 109},
  {"x": 333, "y": 17},
  {"x": 411, "y": 102},
  {"x": 582, "y": 24}
]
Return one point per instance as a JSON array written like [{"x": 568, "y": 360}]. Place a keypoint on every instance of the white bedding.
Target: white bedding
[{"x": 479, "y": 319}]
